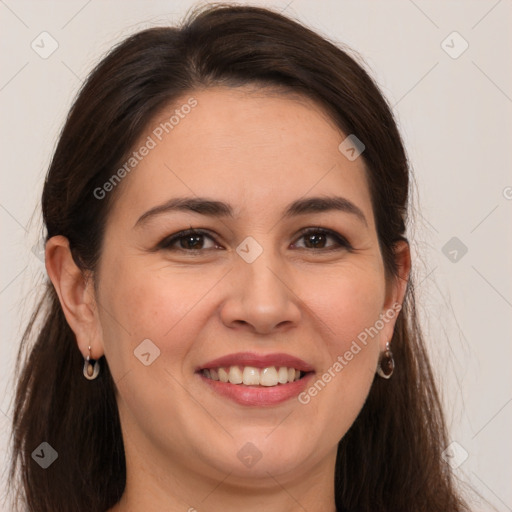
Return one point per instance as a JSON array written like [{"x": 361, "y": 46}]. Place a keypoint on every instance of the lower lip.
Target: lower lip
[{"x": 258, "y": 395}]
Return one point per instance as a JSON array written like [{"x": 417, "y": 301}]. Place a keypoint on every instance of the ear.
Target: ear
[
  {"x": 395, "y": 290},
  {"x": 76, "y": 295}
]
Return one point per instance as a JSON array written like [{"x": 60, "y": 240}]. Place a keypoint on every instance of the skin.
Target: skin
[{"x": 257, "y": 151}]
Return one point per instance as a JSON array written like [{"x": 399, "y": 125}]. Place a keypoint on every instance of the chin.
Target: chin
[{"x": 274, "y": 451}]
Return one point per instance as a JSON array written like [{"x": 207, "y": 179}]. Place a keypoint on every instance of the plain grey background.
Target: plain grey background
[{"x": 444, "y": 67}]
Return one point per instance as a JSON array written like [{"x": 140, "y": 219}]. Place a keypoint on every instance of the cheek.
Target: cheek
[
  {"x": 152, "y": 297},
  {"x": 142, "y": 303},
  {"x": 347, "y": 303}
]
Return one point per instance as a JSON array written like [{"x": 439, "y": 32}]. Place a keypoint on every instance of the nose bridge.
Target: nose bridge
[
  {"x": 260, "y": 266},
  {"x": 262, "y": 297}
]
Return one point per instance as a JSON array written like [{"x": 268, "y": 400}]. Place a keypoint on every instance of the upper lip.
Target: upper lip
[{"x": 258, "y": 361}]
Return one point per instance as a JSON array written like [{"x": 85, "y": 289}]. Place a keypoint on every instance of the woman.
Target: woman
[{"x": 230, "y": 320}]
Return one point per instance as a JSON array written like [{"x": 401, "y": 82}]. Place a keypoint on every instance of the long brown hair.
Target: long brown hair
[{"x": 390, "y": 460}]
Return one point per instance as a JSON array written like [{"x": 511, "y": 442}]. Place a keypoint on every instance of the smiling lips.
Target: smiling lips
[{"x": 252, "y": 379}]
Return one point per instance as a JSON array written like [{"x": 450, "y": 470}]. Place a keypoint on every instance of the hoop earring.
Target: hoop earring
[
  {"x": 386, "y": 364},
  {"x": 90, "y": 370}
]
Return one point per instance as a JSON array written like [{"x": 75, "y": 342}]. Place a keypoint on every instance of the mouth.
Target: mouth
[{"x": 251, "y": 379}]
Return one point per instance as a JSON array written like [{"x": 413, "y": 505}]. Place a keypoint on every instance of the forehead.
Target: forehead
[{"x": 253, "y": 148}]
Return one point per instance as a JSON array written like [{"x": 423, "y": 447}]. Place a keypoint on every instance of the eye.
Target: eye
[
  {"x": 315, "y": 238},
  {"x": 188, "y": 240},
  {"x": 192, "y": 240}
]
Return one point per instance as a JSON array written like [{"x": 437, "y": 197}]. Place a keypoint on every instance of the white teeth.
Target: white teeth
[
  {"x": 223, "y": 375},
  {"x": 282, "y": 375},
  {"x": 235, "y": 375},
  {"x": 252, "y": 376},
  {"x": 268, "y": 377}
]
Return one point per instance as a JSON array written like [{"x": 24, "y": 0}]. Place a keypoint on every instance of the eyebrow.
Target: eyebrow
[{"x": 213, "y": 208}]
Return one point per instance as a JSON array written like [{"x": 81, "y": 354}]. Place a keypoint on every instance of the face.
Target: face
[{"x": 250, "y": 292}]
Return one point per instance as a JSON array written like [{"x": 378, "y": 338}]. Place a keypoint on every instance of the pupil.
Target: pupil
[
  {"x": 319, "y": 238},
  {"x": 196, "y": 240}
]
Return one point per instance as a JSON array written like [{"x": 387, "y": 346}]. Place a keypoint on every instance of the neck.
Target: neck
[{"x": 153, "y": 485}]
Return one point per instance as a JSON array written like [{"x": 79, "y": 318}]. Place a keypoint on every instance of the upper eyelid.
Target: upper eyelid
[{"x": 166, "y": 241}]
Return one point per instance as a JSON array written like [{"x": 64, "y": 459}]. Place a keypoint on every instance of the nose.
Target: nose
[{"x": 261, "y": 298}]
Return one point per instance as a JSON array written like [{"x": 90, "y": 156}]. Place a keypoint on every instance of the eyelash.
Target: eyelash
[{"x": 168, "y": 242}]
